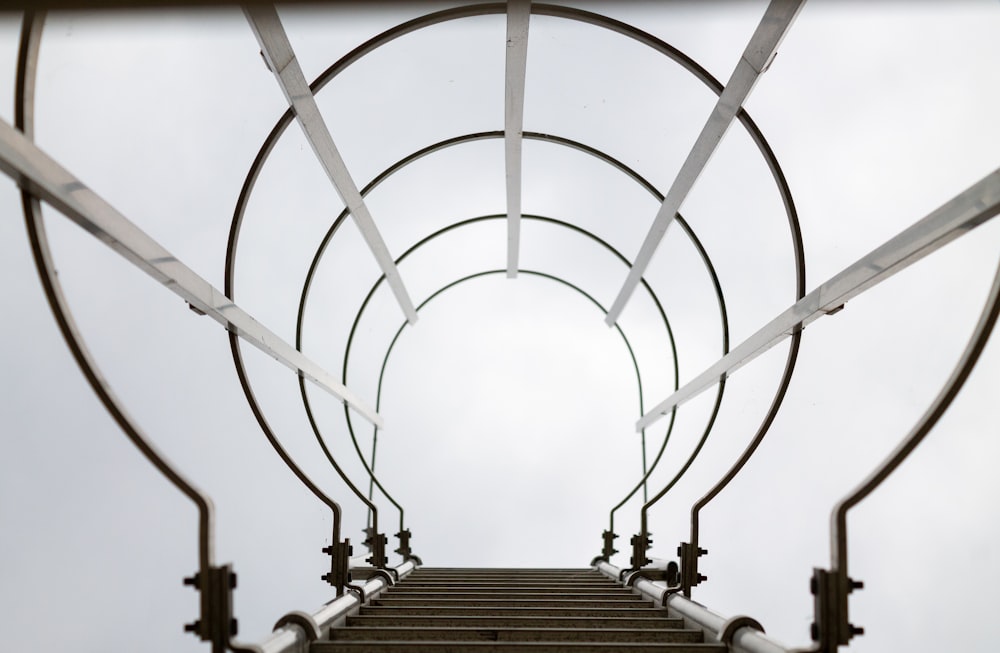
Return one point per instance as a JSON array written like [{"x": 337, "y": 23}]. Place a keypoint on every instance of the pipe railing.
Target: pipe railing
[{"x": 43, "y": 180}]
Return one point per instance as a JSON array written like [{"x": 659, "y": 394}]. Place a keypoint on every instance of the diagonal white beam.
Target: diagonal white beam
[
  {"x": 518, "y": 16},
  {"x": 756, "y": 58},
  {"x": 966, "y": 211},
  {"x": 280, "y": 57},
  {"x": 39, "y": 174}
]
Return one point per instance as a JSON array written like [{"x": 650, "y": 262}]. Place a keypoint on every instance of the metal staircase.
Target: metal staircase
[
  {"x": 452, "y": 610},
  {"x": 386, "y": 608}
]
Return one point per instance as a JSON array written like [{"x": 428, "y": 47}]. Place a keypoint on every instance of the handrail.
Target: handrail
[
  {"x": 832, "y": 626},
  {"x": 214, "y": 583},
  {"x": 296, "y": 631},
  {"x": 741, "y": 634}
]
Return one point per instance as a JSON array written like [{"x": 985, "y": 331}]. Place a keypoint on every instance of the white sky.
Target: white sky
[{"x": 510, "y": 407}]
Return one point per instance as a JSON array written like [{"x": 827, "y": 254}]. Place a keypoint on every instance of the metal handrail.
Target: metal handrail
[
  {"x": 832, "y": 625},
  {"x": 741, "y": 634},
  {"x": 215, "y": 624}
]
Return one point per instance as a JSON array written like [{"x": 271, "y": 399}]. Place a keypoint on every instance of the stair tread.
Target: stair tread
[
  {"x": 500, "y": 602},
  {"x": 392, "y": 646},
  {"x": 517, "y": 634},
  {"x": 514, "y": 611},
  {"x": 490, "y": 621}
]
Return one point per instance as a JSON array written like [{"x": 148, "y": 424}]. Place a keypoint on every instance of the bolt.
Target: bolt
[
  {"x": 328, "y": 549},
  {"x": 856, "y": 630},
  {"x": 233, "y": 627},
  {"x": 702, "y": 577},
  {"x": 702, "y": 552},
  {"x": 814, "y": 631},
  {"x": 855, "y": 585},
  {"x": 813, "y": 586},
  {"x": 679, "y": 550},
  {"x": 191, "y": 580},
  {"x": 192, "y": 627},
  {"x": 232, "y": 580}
]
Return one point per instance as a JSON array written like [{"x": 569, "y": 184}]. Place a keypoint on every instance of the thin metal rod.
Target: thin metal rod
[
  {"x": 966, "y": 211},
  {"x": 838, "y": 517},
  {"x": 38, "y": 174},
  {"x": 518, "y": 15},
  {"x": 27, "y": 67},
  {"x": 758, "y": 54},
  {"x": 280, "y": 57}
]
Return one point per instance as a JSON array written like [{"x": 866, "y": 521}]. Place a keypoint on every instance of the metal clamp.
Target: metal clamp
[
  {"x": 216, "y": 623},
  {"x": 303, "y": 620},
  {"x": 832, "y": 627},
  {"x": 376, "y": 544},
  {"x": 340, "y": 556},
  {"x": 729, "y": 628}
]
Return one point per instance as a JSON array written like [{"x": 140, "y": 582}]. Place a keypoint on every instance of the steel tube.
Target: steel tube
[
  {"x": 963, "y": 213},
  {"x": 293, "y": 639},
  {"x": 744, "y": 640}
]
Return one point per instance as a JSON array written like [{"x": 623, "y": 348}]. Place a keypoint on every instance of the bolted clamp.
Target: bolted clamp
[
  {"x": 376, "y": 544},
  {"x": 340, "y": 559},
  {"x": 216, "y": 624},
  {"x": 609, "y": 545},
  {"x": 640, "y": 545},
  {"x": 689, "y": 555},
  {"x": 404, "y": 545},
  {"x": 831, "y": 627}
]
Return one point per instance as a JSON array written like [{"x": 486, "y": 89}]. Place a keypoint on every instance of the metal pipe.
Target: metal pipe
[
  {"x": 294, "y": 638},
  {"x": 745, "y": 639}
]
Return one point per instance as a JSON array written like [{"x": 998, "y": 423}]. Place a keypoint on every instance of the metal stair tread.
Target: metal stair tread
[
  {"x": 657, "y": 620},
  {"x": 392, "y": 646},
  {"x": 516, "y": 634}
]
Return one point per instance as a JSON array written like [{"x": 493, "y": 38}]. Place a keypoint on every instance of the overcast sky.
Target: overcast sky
[{"x": 510, "y": 406}]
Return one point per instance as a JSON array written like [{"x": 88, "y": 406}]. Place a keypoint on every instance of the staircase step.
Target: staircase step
[
  {"x": 511, "y": 647},
  {"x": 513, "y": 595},
  {"x": 378, "y": 620},
  {"x": 390, "y": 601},
  {"x": 662, "y": 636},
  {"x": 513, "y": 612},
  {"x": 541, "y": 587}
]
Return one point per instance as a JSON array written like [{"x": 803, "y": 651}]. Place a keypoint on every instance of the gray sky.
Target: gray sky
[{"x": 510, "y": 406}]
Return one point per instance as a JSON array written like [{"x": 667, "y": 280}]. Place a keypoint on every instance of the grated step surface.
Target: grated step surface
[{"x": 530, "y": 610}]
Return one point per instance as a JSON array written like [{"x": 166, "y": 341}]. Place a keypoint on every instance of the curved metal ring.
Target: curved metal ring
[{"x": 541, "y": 9}]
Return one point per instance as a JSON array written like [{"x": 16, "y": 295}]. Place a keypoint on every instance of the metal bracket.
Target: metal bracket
[
  {"x": 367, "y": 573},
  {"x": 340, "y": 557},
  {"x": 608, "y": 549},
  {"x": 831, "y": 627},
  {"x": 216, "y": 623},
  {"x": 404, "y": 544},
  {"x": 668, "y": 574},
  {"x": 640, "y": 545},
  {"x": 376, "y": 544},
  {"x": 690, "y": 577},
  {"x": 303, "y": 620},
  {"x": 729, "y": 628}
]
